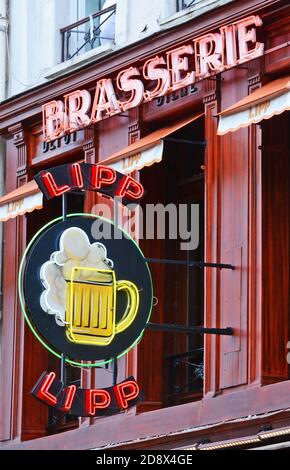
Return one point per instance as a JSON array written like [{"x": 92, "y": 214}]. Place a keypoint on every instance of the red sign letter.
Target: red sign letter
[
  {"x": 77, "y": 104},
  {"x": 70, "y": 394},
  {"x": 208, "y": 54},
  {"x": 130, "y": 188},
  {"x": 53, "y": 120},
  {"x": 103, "y": 176},
  {"x": 44, "y": 394},
  {"x": 178, "y": 62},
  {"x": 97, "y": 400},
  {"x": 77, "y": 175},
  {"x": 105, "y": 101},
  {"x": 249, "y": 36},
  {"x": 125, "y": 392},
  {"x": 51, "y": 185},
  {"x": 127, "y": 83},
  {"x": 153, "y": 70}
]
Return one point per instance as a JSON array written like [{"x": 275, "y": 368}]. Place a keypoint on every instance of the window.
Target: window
[
  {"x": 91, "y": 6},
  {"x": 174, "y": 360},
  {"x": 92, "y": 29},
  {"x": 183, "y": 4},
  {"x": 275, "y": 247}
]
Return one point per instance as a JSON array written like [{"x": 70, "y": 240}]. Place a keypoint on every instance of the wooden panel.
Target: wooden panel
[
  {"x": 276, "y": 246},
  {"x": 277, "y": 34},
  {"x": 42, "y": 152},
  {"x": 116, "y": 126},
  {"x": 234, "y": 239},
  {"x": 212, "y": 249},
  {"x": 34, "y": 414},
  {"x": 11, "y": 351},
  {"x": 255, "y": 254},
  {"x": 178, "y": 103},
  {"x": 151, "y": 363},
  {"x": 233, "y": 363}
]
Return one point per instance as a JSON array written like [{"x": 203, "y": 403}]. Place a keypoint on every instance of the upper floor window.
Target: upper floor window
[
  {"x": 183, "y": 4},
  {"x": 95, "y": 27},
  {"x": 92, "y": 6}
]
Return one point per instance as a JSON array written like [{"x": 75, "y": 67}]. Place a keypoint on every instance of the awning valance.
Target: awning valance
[
  {"x": 146, "y": 151},
  {"x": 24, "y": 199},
  {"x": 263, "y": 103}
]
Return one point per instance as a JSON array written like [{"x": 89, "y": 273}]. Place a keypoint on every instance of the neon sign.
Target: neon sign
[
  {"x": 183, "y": 66},
  {"x": 82, "y": 298},
  {"x": 81, "y": 291},
  {"x": 82, "y": 176},
  {"x": 86, "y": 403},
  {"x": 87, "y": 298}
]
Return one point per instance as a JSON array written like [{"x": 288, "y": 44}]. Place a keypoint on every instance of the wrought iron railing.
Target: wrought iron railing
[
  {"x": 185, "y": 374},
  {"x": 88, "y": 33},
  {"x": 183, "y": 4}
]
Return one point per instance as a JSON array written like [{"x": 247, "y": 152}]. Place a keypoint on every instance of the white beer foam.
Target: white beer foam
[{"x": 76, "y": 251}]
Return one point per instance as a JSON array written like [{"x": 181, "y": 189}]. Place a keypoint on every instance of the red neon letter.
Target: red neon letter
[
  {"x": 77, "y": 104},
  {"x": 126, "y": 83},
  {"x": 152, "y": 71},
  {"x": 105, "y": 101},
  {"x": 230, "y": 48},
  {"x": 97, "y": 400},
  {"x": 130, "y": 188},
  {"x": 103, "y": 176},
  {"x": 44, "y": 394},
  {"x": 208, "y": 54},
  {"x": 70, "y": 394},
  {"x": 178, "y": 63},
  {"x": 51, "y": 185},
  {"x": 126, "y": 392},
  {"x": 53, "y": 120},
  {"x": 77, "y": 175},
  {"x": 249, "y": 36}
]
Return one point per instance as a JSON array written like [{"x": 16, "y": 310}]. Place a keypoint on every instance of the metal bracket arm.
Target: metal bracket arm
[
  {"x": 190, "y": 329},
  {"x": 191, "y": 264}
]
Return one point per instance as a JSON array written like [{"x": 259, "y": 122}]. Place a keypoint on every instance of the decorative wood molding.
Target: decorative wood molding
[
  {"x": 19, "y": 137},
  {"x": 89, "y": 147},
  {"x": 255, "y": 68},
  {"x": 210, "y": 89},
  {"x": 212, "y": 245},
  {"x": 134, "y": 127}
]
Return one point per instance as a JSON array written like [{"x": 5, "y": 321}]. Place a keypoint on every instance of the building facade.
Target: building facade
[{"x": 219, "y": 133}]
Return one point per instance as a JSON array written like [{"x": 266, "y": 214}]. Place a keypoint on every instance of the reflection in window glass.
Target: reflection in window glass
[
  {"x": 92, "y": 6},
  {"x": 183, "y": 4}
]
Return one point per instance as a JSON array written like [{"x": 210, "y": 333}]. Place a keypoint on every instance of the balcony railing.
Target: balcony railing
[
  {"x": 88, "y": 33},
  {"x": 185, "y": 375},
  {"x": 183, "y": 4}
]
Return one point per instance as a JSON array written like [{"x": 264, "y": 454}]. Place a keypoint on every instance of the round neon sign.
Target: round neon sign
[{"x": 89, "y": 299}]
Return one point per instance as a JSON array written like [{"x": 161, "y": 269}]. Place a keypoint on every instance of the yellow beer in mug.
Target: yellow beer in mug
[{"x": 91, "y": 306}]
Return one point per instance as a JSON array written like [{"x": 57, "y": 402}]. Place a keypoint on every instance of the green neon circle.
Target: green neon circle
[{"x": 22, "y": 303}]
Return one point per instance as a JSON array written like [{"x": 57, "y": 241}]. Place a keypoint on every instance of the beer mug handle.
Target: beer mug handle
[{"x": 132, "y": 304}]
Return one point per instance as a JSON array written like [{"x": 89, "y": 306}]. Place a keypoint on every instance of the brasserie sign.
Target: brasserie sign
[{"x": 212, "y": 53}]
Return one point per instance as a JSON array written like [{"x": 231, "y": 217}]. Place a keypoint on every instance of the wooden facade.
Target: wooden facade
[{"x": 245, "y": 192}]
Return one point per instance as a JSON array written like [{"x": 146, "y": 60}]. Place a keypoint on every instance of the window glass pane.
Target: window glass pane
[
  {"x": 175, "y": 359},
  {"x": 275, "y": 192},
  {"x": 182, "y": 4},
  {"x": 92, "y": 6}
]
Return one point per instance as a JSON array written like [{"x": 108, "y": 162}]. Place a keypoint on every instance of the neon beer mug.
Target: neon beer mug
[{"x": 91, "y": 306}]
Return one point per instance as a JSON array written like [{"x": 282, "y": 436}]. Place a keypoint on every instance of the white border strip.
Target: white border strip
[
  {"x": 140, "y": 160},
  {"x": 21, "y": 206},
  {"x": 254, "y": 114}
]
